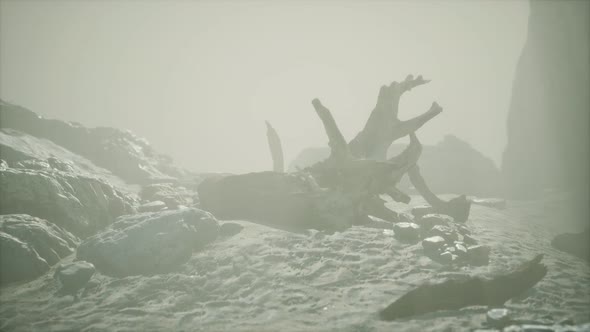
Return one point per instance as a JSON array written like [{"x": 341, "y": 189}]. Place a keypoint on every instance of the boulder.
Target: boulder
[
  {"x": 82, "y": 205},
  {"x": 48, "y": 240},
  {"x": 18, "y": 261},
  {"x": 74, "y": 276},
  {"x": 149, "y": 243}
]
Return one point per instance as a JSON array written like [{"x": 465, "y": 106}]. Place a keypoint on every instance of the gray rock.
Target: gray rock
[
  {"x": 149, "y": 243},
  {"x": 230, "y": 229},
  {"x": 422, "y": 210},
  {"x": 460, "y": 249},
  {"x": 406, "y": 231},
  {"x": 49, "y": 241},
  {"x": 448, "y": 233},
  {"x": 74, "y": 276},
  {"x": 478, "y": 255},
  {"x": 498, "y": 318},
  {"x": 430, "y": 220},
  {"x": 154, "y": 206},
  {"x": 79, "y": 204},
  {"x": 433, "y": 244},
  {"x": 18, "y": 261}
]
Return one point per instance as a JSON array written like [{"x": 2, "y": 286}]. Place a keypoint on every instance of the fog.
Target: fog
[{"x": 198, "y": 79}]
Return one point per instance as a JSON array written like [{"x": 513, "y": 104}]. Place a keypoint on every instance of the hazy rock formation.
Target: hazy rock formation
[
  {"x": 79, "y": 204},
  {"x": 149, "y": 243},
  {"x": 577, "y": 244},
  {"x": 23, "y": 150},
  {"x": 451, "y": 166},
  {"x": 121, "y": 152},
  {"x": 549, "y": 117}
]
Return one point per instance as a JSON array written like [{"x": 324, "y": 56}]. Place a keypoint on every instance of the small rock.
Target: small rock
[
  {"x": 478, "y": 255},
  {"x": 498, "y": 318},
  {"x": 447, "y": 257},
  {"x": 420, "y": 211},
  {"x": 460, "y": 249},
  {"x": 433, "y": 244},
  {"x": 154, "y": 206},
  {"x": 74, "y": 276},
  {"x": 445, "y": 231},
  {"x": 430, "y": 220},
  {"x": 406, "y": 231},
  {"x": 230, "y": 229}
]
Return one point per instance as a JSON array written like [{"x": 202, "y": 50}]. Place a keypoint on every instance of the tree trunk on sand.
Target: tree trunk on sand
[{"x": 457, "y": 294}]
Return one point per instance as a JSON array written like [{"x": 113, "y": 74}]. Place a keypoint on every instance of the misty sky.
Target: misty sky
[{"x": 198, "y": 78}]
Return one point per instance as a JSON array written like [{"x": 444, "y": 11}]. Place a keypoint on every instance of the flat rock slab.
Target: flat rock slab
[{"x": 149, "y": 243}]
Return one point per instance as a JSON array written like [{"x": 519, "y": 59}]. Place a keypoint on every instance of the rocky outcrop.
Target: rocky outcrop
[
  {"x": 29, "y": 246},
  {"x": 124, "y": 154},
  {"x": 82, "y": 205},
  {"x": 149, "y": 243},
  {"x": 548, "y": 121},
  {"x": 23, "y": 150},
  {"x": 450, "y": 167}
]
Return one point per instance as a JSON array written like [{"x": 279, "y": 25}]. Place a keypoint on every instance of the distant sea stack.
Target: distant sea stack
[{"x": 548, "y": 121}]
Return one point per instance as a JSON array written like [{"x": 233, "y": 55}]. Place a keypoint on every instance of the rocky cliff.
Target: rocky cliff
[{"x": 549, "y": 112}]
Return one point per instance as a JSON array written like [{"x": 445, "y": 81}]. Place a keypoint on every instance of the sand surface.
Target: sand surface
[{"x": 265, "y": 279}]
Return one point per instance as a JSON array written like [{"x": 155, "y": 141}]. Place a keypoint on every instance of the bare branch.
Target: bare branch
[
  {"x": 338, "y": 147},
  {"x": 276, "y": 148}
]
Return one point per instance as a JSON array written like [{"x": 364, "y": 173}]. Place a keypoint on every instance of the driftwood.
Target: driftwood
[
  {"x": 457, "y": 294},
  {"x": 276, "y": 149},
  {"x": 354, "y": 175}
]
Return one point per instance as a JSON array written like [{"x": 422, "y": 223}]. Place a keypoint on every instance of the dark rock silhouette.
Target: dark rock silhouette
[
  {"x": 549, "y": 117},
  {"x": 454, "y": 294},
  {"x": 450, "y": 167}
]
